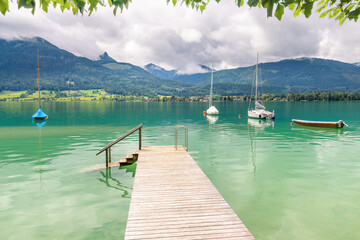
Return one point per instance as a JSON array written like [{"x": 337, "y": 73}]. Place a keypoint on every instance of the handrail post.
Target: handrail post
[
  {"x": 186, "y": 136},
  {"x": 107, "y": 148},
  {"x": 176, "y": 134},
  {"x": 107, "y": 157},
  {"x": 140, "y": 138},
  {"x": 186, "y": 139}
]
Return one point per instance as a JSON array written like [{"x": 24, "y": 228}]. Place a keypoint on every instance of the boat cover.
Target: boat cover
[
  {"x": 212, "y": 111},
  {"x": 39, "y": 115}
]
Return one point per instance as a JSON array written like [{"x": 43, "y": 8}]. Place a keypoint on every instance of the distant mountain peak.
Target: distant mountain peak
[
  {"x": 153, "y": 67},
  {"x": 159, "y": 71},
  {"x": 206, "y": 68},
  {"x": 106, "y": 58}
]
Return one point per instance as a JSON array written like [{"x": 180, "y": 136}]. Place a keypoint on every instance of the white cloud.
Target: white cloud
[
  {"x": 181, "y": 38},
  {"x": 191, "y": 35}
]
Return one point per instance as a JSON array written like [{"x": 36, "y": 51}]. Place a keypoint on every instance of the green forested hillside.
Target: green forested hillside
[
  {"x": 296, "y": 75},
  {"x": 291, "y": 75},
  {"x": 61, "y": 70}
]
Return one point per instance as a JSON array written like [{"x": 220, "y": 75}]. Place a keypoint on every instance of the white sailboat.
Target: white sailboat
[
  {"x": 259, "y": 110},
  {"x": 212, "y": 109}
]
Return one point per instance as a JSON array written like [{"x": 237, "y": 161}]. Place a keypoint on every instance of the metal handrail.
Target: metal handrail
[
  {"x": 186, "y": 136},
  {"x": 107, "y": 148}
]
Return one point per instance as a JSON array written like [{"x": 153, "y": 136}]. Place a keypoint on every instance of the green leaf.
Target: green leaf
[
  {"x": 93, "y": 3},
  {"x": 279, "y": 12},
  {"x": 354, "y": 14},
  {"x": 44, "y": 5},
  {"x": 336, "y": 11},
  {"x": 202, "y": 8},
  {"x": 26, "y": 4},
  {"x": 342, "y": 21},
  {"x": 307, "y": 7},
  {"x": 321, "y": 2},
  {"x": 174, "y": 2},
  {"x": 115, "y": 9},
  {"x": 297, "y": 11},
  {"x": 253, "y": 3},
  {"x": 341, "y": 15},
  {"x": 292, "y": 6},
  {"x": 326, "y": 12},
  {"x": 67, "y": 5},
  {"x": 270, "y": 8},
  {"x": 349, "y": 7},
  {"x": 4, "y": 6},
  {"x": 75, "y": 10},
  {"x": 320, "y": 8}
]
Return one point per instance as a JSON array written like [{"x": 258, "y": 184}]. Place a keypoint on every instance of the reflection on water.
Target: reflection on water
[
  {"x": 260, "y": 123},
  {"x": 256, "y": 126},
  {"x": 39, "y": 122},
  {"x": 252, "y": 135},
  {"x": 212, "y": 119},
  {"x": 319, "y": 129},
  {"x": 282, "y": 181},
  {"x": 40, "y": 158},
  {"x": 114, "y": 183}
]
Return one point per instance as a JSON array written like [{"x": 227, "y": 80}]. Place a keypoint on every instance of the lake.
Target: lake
[{"x": 284, "y": 182}]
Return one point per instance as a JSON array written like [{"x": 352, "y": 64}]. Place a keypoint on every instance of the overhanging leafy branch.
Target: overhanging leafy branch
[{"x": 340, "y": 10}]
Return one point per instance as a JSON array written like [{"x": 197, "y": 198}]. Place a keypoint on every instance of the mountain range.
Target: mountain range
[{"x": 62, "y": 70}]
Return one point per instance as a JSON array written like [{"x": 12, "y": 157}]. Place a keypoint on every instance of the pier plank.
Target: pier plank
[{"x": 173, "y": 199}]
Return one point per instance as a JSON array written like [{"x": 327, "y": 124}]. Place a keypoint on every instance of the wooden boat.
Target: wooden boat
[{"x": 338, "y": 124}]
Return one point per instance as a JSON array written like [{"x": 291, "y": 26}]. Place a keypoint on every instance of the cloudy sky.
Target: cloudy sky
[{"x": 181, "y": 38}]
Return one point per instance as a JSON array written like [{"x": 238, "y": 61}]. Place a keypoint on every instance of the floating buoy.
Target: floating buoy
[
  {"x": 239, "y": 115},
  {"x": 291, "y": 123},
  {"x": 204, "y": 113}
]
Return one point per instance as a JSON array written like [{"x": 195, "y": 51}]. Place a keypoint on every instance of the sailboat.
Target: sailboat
[
  {"x": 259, "y": 110},
  {"x": 39, "y": 115},
  {"x": 212, "y": 109}
]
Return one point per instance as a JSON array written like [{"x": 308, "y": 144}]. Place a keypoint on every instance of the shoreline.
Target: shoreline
[{"x": 99, "y": 95}]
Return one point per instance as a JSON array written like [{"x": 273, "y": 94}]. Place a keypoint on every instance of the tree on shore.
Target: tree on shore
[{"x": 340, "y": 10}]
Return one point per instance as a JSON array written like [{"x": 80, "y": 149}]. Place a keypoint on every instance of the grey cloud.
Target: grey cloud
[{"x": 154, "y": 32}]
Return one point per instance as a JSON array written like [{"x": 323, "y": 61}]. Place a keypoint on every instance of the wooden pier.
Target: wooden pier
[{"x": 173, "y": 199}]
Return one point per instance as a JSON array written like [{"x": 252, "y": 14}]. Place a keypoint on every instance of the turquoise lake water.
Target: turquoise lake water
[{"x": 284, "y": 182}]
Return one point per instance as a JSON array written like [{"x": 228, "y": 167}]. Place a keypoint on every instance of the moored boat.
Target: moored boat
[
  {"x": 39, "y": 115},
  {"x": 259, "y": 111},
  {"x": 212, "y": 109},
  {"x": 338, "y": 124}
]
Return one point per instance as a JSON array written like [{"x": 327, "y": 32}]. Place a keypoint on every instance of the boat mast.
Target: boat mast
[
  {"x": 256, "y": 77},
  {"x": 211, "y": 87},
  {"x": 38, "y": 75}
]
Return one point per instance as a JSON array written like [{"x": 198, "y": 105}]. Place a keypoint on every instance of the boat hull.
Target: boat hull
[
  {"x": 40, "y": 115},
  {"x": 338, "y": 124},
  {"x": 212, "y": 111},
  {"x": 261, "y": 114},
  {"x": 40, "y": 118}
]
